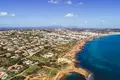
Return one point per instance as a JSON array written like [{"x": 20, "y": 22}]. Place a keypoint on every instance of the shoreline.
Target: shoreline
[
  {"x": 80, "y": 46},
  {"x": 73, "y": 68}
]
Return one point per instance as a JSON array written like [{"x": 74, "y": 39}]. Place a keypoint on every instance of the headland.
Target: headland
[{"x": 73, "y": 67}]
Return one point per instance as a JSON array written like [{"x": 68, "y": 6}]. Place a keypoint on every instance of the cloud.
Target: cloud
[
  {"x": 69, "y": 15},
  {"x": 53, "y": 1},
  {"x": 3, "y": 13},
  {"x": 58, "y": 1},
  {"x": 86, "y": 22},
  {"x": 80, "y": 3},
  {"x": 6, "y": 14},
  {"x": 12, "y": 15},
  {"x": 69, "y": 2}
]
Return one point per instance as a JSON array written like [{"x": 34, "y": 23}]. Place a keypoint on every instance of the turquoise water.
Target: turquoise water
[{"x": 102, "y": 57}]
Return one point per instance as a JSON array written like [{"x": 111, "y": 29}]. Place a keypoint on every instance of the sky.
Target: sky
[{"x": 79, "y": 13}]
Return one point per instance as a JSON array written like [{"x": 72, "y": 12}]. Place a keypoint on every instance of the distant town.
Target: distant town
[{"x": 26, "y": 54}]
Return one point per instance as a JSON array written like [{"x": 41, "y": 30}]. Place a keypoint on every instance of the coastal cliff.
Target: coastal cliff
[{"x": 72, "y": 68}]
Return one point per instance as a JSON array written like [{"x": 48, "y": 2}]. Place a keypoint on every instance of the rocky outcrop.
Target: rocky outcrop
[{"x": 72, "y": 68}]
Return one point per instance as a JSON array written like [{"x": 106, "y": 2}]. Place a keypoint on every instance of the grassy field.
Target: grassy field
[{"x": 32, "y": 70}]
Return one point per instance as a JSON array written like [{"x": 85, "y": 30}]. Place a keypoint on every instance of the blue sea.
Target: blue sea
[{"x": 102, "y": 57}]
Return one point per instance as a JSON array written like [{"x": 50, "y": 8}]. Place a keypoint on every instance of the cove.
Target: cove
[
  {"x": 102, "y": 57},
  {"x": 74, "y": 76}
]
